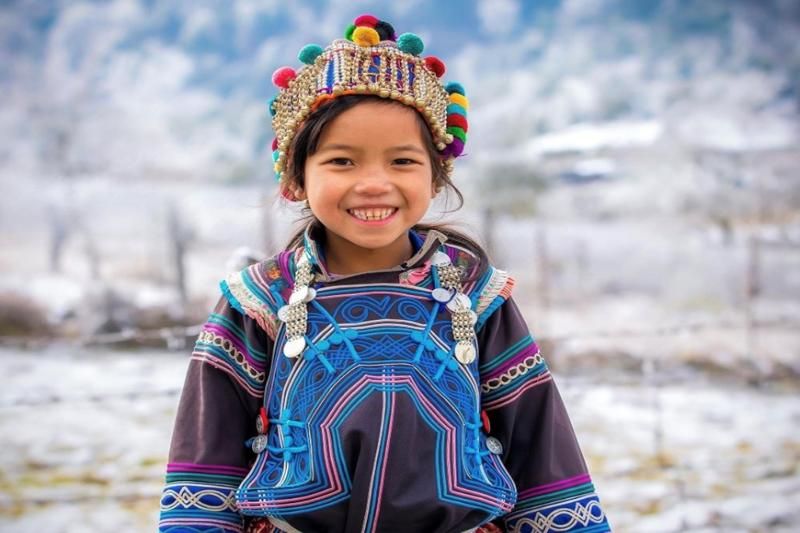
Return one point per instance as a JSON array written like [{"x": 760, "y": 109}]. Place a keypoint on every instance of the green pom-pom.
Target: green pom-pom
[
  {"x": 455, "y": 87},
  {"x": 271, "y": 105},
  {"x": 410, "y": 44},
  {"x": 309, "y": 53},
  {"x": 455, "y": 131},
  {"x": 348, "y": 33}
]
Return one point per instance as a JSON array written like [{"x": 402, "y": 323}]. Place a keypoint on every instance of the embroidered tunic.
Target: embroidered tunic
[{"x": 374, "y": 421}]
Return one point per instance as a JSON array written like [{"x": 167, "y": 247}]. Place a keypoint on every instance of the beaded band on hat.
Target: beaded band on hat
[{"x": 371, "y": 59}]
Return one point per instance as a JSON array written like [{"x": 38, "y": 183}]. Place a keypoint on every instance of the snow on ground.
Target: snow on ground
[{"x": 86, "y": 435}]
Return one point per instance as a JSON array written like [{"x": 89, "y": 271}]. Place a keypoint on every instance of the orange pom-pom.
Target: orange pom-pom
[
  {"x": 436, "y": 65},
  {"x": 283, "y": 76},
  {"x": 366, "y": 36}
]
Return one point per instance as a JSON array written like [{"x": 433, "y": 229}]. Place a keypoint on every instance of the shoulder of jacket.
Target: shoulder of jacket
[
  {"x": 260, "y": 289},
  {"x": 487, "y": 289}
]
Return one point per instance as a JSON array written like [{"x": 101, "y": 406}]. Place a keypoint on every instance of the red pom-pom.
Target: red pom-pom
[
  {"x": 275, "y": 141},
  {"x": 283, "y": 76},
  {"x": 436, "y": 65},
  {"x": 455, "y": 119},
  {"x": 366, "y": 20}
]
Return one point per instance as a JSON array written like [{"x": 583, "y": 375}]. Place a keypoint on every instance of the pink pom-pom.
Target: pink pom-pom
[
  {"x": 283, "y": 76},
  {"x": 274, "y": 144},
  {"x": 436, "y": 65},
  {"x": 366, "y": 20}
]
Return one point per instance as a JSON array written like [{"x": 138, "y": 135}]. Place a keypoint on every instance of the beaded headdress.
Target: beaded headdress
[{"x": 371, "y": 59}]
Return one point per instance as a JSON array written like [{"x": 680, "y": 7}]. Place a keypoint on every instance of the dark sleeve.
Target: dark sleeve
[
  {"x": 221, "y": 397},
  {"x": 528, "y": 417}
]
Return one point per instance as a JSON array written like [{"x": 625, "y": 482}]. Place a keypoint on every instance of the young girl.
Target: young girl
[{"x": 376, "y": 375}]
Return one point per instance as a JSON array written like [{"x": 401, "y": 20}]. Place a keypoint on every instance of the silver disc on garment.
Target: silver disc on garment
[
  {"x": 294, "y": 347},
  {"x": 460, "y": 302},
  {"x": 494, "y": 445},
  {"x": 465, "y": 352},
  {"x": 298, "y": 295},
  {"x": 440, "y": 259},
  {"x": 259, "y": 444},
  {"x": 312, "y": 293},
  {"x": 283, "y": 313},
  {"x": 441, "y": 295}
]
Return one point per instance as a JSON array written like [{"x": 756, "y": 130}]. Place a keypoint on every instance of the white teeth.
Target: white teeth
[{"x": 372, "y": 214}]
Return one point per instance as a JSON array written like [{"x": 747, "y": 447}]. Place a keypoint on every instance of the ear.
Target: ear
[{"x": 299, "y": 192}]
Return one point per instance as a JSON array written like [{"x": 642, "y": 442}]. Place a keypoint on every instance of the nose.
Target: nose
[{"x": 373, "y": 182}]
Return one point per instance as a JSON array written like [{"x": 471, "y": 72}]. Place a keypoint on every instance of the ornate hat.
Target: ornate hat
[{"x": 371, "y": 59}]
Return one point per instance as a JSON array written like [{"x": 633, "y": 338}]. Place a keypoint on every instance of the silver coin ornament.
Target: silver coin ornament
[
  {"x": 460, "y": 302},
  {"x": 294, "y": 347},
  {"x": 310, "y": 295},
  {"x": 259, "y": 444},
  {"x": 259, "y": 425},
  {"x": 283, "y": 313},
  {"x": 494, "y": 445},
  {"x": 440, "y": 259},
  {"x": 441, "y": 295},
  {"x": 298, "y": 295},
  {"x": 465, "y": 352}
]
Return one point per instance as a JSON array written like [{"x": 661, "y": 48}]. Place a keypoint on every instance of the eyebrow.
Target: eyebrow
[{"x": 347, "y": 147}]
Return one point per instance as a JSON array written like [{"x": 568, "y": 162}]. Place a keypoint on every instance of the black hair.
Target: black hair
[{"x": 306, "y": 143}]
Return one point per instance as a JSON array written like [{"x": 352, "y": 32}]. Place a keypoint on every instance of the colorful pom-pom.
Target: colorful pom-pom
[
  {"x": 348, "y": 33},
  {"x": 283, "y": 76},
  {"x": 366, "y": 36},
  {"x": 456, "y": 109},
  {"x": 460, "y": 99},
  {"x": 309, "y": 53},
  {"x": 271, "y": 105},
  {"x": 386, "y": 31},
  {"x": 366, "y": 20},
  {"x": 274, "y": 144},
  {"x": 457, "y": 120},
  {"x": 457, "y": 132},
  {"x": 455, "y": 148},
  {"x": 436, "y": 65},
  {"x": 455, "y": 87},
  {"x": 275, "y": 155},
  {"x": 410, "y": 44}
]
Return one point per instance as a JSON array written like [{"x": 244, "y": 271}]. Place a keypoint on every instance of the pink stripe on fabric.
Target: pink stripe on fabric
[
  {"x": 223, "y": 366},
  {"x": 528, "y": 350},
  {"x": 505, "y": 400},
  {"x": 228, "y": 334},
  {"x": 556, "y": 486},
  {"x": 206, "y": 468},
  {"x": 383, "y": 467}
]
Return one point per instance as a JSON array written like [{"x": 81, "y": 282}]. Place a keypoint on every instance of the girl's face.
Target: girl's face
[{"x": 368, "y": 183}]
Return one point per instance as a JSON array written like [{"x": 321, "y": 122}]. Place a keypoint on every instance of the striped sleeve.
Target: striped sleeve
[
  {"x": 222, "y": 393},
  {"x": 527, "y": 415}
]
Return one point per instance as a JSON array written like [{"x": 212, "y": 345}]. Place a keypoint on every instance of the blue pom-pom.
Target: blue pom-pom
[
  {"x": 309, "y": 53},
  {"x": 455, "y": 87},
  {"x": 275, "y": 155},
  {"x": 410, "y": 44},
  {"x": 271, "y": 105}
]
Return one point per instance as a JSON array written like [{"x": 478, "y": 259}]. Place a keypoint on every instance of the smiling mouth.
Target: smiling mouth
[{"x": 373, "y": 213}]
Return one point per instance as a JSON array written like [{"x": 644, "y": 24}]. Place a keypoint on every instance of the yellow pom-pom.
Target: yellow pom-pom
[
  {"x": 459, "y": 99},
  {"x": 365, "y": 36}
]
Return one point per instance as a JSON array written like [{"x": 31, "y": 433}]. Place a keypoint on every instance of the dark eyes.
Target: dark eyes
[{"x": 343, "y": 161}]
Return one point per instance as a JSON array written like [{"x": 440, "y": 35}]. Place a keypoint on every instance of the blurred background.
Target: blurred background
[{"x": 634, "y": 164}]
